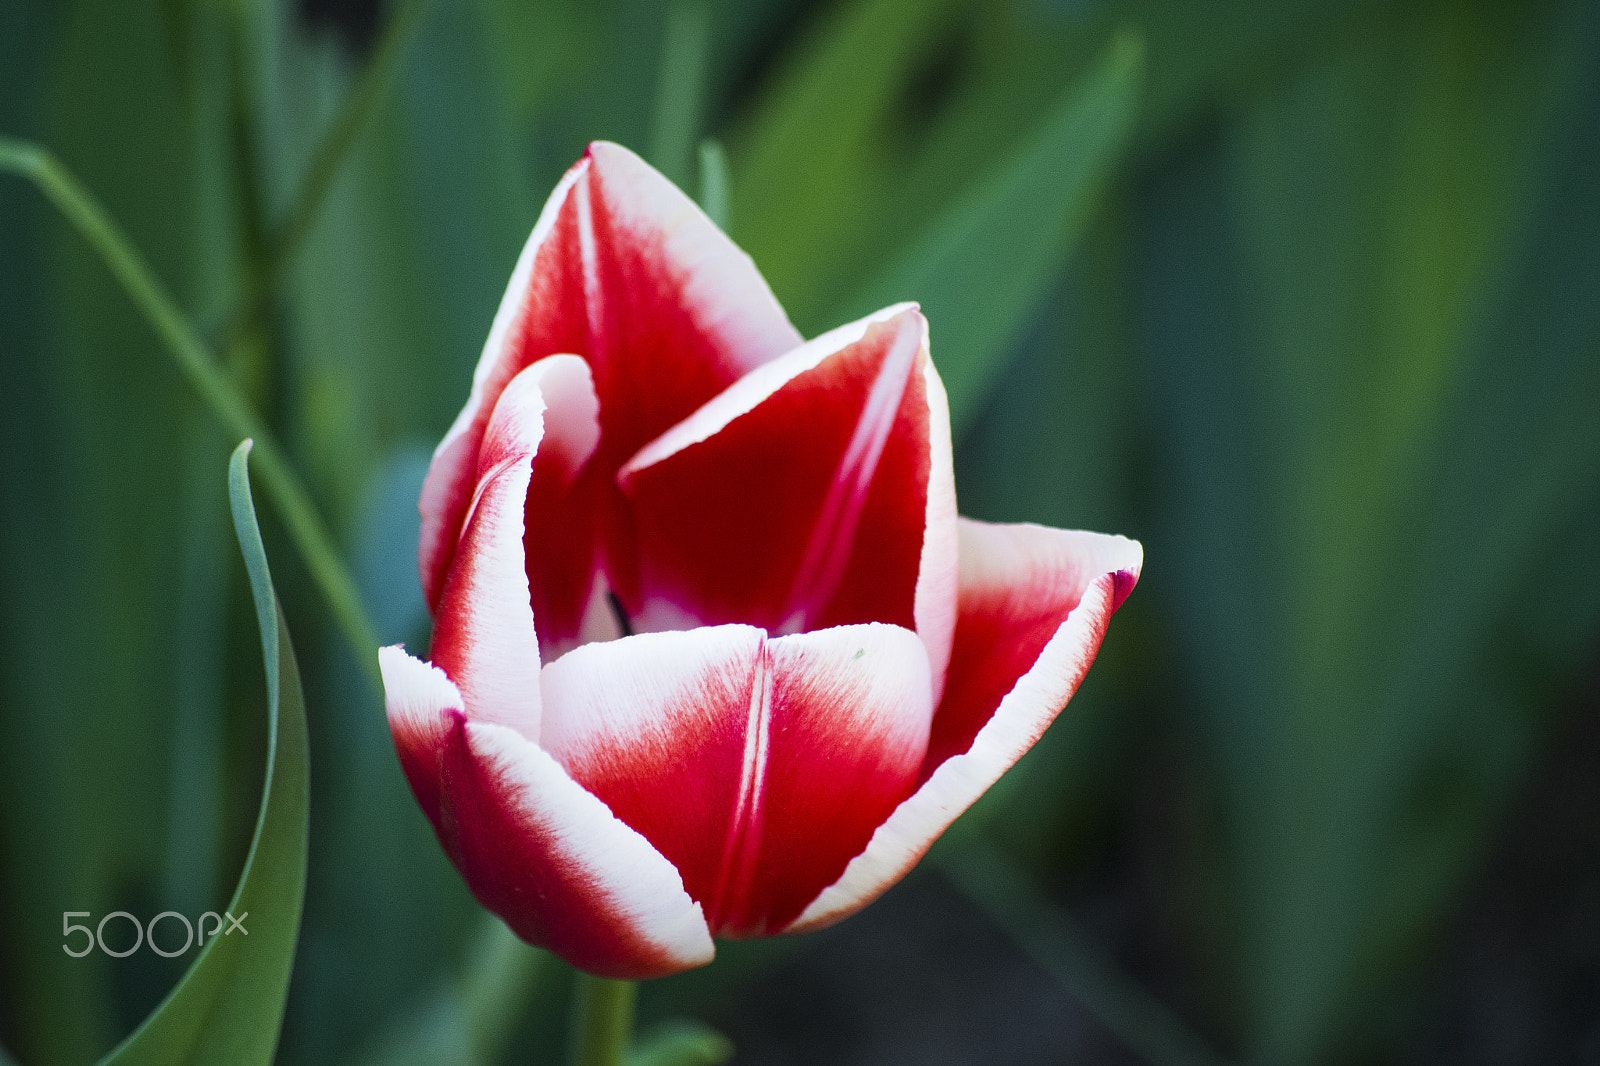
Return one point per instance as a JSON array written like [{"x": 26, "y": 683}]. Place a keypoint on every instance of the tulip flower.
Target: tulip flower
[{"x": 712, "y": 654}]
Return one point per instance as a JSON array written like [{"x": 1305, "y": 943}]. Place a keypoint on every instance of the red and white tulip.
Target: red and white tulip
[{"x": 713, "y": 654}]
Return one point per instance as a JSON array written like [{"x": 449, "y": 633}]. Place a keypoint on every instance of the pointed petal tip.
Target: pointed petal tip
[
  {"x": 1087, "y": 575},
  {"x": 1122, "y": 583}
]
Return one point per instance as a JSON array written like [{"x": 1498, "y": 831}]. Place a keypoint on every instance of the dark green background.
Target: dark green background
[{"x": 1320, "y": 325}]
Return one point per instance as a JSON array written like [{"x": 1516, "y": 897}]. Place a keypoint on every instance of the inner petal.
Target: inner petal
[
  {"x": 758, "y": 767},
  {"x": 625, "y": 270},
  {"x": 797, "y": 500}
]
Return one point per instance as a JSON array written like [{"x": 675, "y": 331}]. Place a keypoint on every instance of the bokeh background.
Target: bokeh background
[{"x": 1304, "y": 295}]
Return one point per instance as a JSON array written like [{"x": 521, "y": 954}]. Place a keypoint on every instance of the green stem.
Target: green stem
[
  {"x": 714, "y": 182},
  {"x": 1060, "y": 947},
  {"x": 602, "y": 1021},
  {"x": 370, "y": 90},
  {"x": 216, "y": 391},
  {"x": 358, "y": 107},
  {"x": 680, "y": 88}
]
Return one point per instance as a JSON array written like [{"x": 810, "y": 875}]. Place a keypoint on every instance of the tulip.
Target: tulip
[{"x": 712, "y": 652}]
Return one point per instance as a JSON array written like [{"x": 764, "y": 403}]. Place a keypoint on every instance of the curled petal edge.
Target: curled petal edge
[
  {"x": 550, "y": 858},
  {"x": 449, "y": 480},
  {"x": 485, "y": 634}
]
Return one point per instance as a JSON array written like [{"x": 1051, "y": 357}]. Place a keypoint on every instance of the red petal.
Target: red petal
[
  {"x": 1034, "y": 607},
  {"x": 757, "y": 767},
  {"x": 533, "y": 846},
  {"x": 800, "y": 498},
  {"x": 849, "y": 718},
  {"x": 484, "y": 636},
  {"x": 1018, "y": 585},
  {"x": 626, "y": 271}
]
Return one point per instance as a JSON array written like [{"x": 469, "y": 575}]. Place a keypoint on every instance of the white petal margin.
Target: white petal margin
[
  {"x": 641, "y": 690},
  {"x": 721, "y": 286},
  {"x": 1017, "y": 724},
  {"x": 452, "y": 459},
  {"x": 746, "y": 394},
  {"x": 484, "y": 636},
  {"x": 938, "y": 573},
  {"x": 608, "y": 862},
  {"x": 603, "y": 872}
]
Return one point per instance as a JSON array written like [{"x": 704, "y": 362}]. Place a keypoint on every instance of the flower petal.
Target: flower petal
[
  {"x": 758, "y": 767},
  {"x": 1034, "y": 607},
  {"x": 532, "y": 844},
  {"x": 626, "y": 271},
  {"x": 849, "y": 716},
  {"x": 484, "y": 635},
  {"x": 816, "y": 492},
  {"x": 654, "y": 724},
  {"x": 1019, "y": 583}
]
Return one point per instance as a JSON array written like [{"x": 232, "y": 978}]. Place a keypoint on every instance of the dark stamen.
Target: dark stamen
[{"x": 622, "y": 616}]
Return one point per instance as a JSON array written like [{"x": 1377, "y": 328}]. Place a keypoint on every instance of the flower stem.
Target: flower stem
[
  {"x": 680, "y": 88},
  {"x": 293, "y": 502},
  {"x": 371, "y": 88},
  {"x": 602, "y": 1021}
]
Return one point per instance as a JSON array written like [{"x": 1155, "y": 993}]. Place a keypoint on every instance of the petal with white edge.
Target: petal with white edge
[
  {"x": 534, "y": 846},
  {"x": 1035, "y": 603},
  {"x": 816, "y": 492},
  {"x": 758, "y": 767},
  {"x": 625, "y": 270},
  {"x": 543, "y": 428},
  {"x": 849, "y": 713}
]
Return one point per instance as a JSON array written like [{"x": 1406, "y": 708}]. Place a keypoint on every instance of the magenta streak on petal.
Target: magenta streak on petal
[
  {"x": 828, "y": 551},
  {"x": 744, "y": 827}
]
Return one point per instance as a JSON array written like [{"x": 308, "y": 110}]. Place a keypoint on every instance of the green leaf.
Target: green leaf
[
  {"x": 980, "y": 268},
  {"x": 682, "y": 1043},
  {"x": 1378, "y": 366},
  {"x": 818, "y": 164},
  {"x": 228, "y": 1008}
]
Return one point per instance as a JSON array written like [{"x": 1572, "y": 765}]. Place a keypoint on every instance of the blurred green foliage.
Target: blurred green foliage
[{"x": 1302, "y": 294}]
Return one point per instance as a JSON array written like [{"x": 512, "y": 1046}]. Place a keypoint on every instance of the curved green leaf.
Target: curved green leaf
[
  {"x": 981, "y": 268},
  {"x": 228, "y": 1008}
]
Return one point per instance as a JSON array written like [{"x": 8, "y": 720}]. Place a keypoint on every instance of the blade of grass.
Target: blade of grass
[
  {"x": 981, "y": 266},
  {"x": 284, "y": 242},
  {"x": 228, "y": 1008},
  {"x": 198, "y": 365}
]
